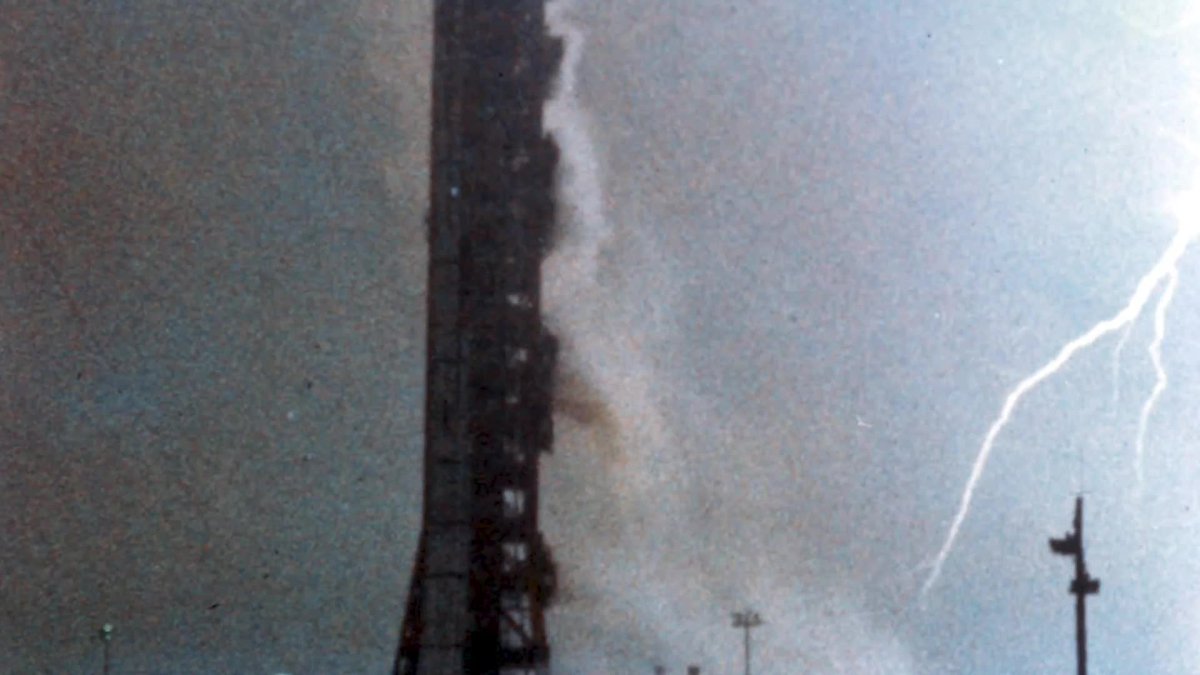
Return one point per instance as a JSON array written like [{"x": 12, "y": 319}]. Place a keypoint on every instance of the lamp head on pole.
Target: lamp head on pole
[{"x": 746, "y": 619}]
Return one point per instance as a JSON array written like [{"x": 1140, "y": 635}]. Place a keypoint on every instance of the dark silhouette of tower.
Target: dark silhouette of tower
[
  {"x": 483, "y": 573},
  {"x": 1082, "y": 585}
]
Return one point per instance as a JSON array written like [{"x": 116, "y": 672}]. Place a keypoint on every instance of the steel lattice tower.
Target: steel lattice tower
[{"x": 483, "y": 573}]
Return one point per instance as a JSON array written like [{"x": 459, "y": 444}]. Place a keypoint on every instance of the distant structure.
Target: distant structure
[
  {"x": 747, "y": 621},
  {"x": 483, "y": 574},
  {"x": 106, "y": 632},
  {"x": 1082, "y": 585}
]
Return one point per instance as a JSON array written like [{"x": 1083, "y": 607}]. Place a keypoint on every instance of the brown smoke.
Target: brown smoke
[{"x": 579, "y": 402}]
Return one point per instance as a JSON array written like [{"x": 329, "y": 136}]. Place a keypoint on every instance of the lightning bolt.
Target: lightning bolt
[
  {"x": 1160, "y": 383},
  {"x": 1116, "y": 363},
  {"x": 1164, "y": 274},
  {"x": 1165, "y": 270}
]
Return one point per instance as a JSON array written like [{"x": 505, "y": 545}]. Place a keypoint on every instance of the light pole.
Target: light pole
[
  {"x": 746, "y": 621},
  {"x": 106, "y": 637},
  {"x": 1082, "y": 585}
]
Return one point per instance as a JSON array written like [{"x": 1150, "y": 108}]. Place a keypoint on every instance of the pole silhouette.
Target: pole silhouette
[
  {"x": 1082, "y": 585},
  {"x": 747, "y": 620},
  {"x": 106, "y": 632}
]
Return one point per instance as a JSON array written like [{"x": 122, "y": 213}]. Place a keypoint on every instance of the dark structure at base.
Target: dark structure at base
[{"x": 483, "y": 573}]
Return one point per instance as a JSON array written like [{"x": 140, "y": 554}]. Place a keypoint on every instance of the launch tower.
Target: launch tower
[{"x": 483, "y": 573}]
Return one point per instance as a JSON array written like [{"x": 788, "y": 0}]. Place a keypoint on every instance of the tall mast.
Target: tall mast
[
  {"x": 1082, "y": 585},
  {"x": 483, "y": 573}
]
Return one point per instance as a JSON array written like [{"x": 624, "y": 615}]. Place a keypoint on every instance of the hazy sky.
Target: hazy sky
[
  {"x": 834, "y": 235},
  {"x": 809, "y": 247},
  {"x": 211, "y": 354}
]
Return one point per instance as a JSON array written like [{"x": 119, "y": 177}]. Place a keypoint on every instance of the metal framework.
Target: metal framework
[{"x": 483, "y": 573}]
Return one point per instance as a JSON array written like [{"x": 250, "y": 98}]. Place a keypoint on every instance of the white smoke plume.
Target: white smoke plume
[
  {"x": 616, "y": 495},
  {"x": 603, "y": 341},
  {"x": 607, "y": 509},
  {"x": 581, "y": 195}
]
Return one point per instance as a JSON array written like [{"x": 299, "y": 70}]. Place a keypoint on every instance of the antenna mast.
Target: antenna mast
[{"x": 1082, "y": 585}]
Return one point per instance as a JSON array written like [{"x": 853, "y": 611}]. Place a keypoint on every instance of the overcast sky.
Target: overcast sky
[
  {"x": 809, "y": 248},
  {"x": 834, "y": 236}
]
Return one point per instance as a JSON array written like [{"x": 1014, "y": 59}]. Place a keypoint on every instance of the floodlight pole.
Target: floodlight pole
[
  {"x": 747, "y": 620},
  {"x": 106, "y": 637}
]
